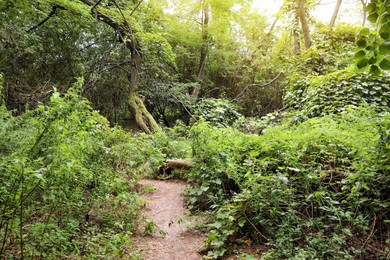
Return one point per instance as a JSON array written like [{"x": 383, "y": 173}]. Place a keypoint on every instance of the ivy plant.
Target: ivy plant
[{"x": 373, "y": 51}]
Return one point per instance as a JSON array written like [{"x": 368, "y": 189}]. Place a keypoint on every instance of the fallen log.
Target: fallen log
[{"x": 177, "y": 164}]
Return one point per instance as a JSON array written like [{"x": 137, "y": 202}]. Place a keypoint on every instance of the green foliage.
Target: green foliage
[
  {"x": 296, "y": 188},
  {"x": 1, "y": 90},
  {"x": 161, "y": 58},
  {"x": 65, "y": 179},
  {"x": 219, "y": 112},
  {"x": 333, "y": 93},
  {"x": 373, "y": 51},
  {"x": 329, "y": 53},
  {"x": 167, "y": 102}
]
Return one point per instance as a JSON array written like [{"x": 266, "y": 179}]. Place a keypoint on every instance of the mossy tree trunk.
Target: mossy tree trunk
[
  {"x": 297, "y": 43},
  {"x": 143, "y": 118},
  {"x": 126, "y": 33}
]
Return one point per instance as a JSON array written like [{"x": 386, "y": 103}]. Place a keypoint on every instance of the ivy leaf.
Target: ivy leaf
[
  {"x": 373, "y": 17},
  {"x": 364, "y": 32},
  {"x": 385, "y": 64},
  {"x": 361, "y": 43},
  {"x": 384, "y": 48},
  {"x": 371, "y": 7},
  {"x": 384, "y": 32},
  {"x": 362, "y": 63},
  {"x": 374, "y": 70},
  {"x": 372, "y": 60},
  {"x": 360, "y": 55}
]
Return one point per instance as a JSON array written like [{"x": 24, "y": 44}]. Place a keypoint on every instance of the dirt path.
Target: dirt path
[{"x": 166, "y": 208}]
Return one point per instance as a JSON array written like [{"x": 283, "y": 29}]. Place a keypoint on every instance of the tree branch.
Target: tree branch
[
  {"x": 104, "y": 18},
  {"x": 119, "y": 28},
  {"x": 256, "y": 85},
  {"x": 127, "y": 24},
  {"x": 135, "y": 8},
  {"x": 95, "y": 5},
  {"x": 53, "y": 12},
  {"x": 123, "y": 16}
]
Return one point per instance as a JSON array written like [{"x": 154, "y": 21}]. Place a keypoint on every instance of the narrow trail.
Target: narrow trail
[{"x": 166, "y": 208}]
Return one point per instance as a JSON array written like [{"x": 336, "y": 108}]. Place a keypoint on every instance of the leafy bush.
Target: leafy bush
[
  {"x": 219, "y": 112},
  {"x": 66, "y": 179},
  {"x": 330, "y": 51},
  {"x": 167, "y": 102},
  {"x": 297, "y": 188}
]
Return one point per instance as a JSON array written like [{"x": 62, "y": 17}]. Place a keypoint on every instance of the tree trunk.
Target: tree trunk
[
  {"x": 364, "y": 5},
  {"x": 334, "y": 16},
  {"x": 297, "y": 43},
  {"x": 142, "y": 117},
  {"x": 126, "y": 33},
  {"x": 278, "y": 15},
  {"x": 305, "y": 27},
  {"x": 179, "y": 164},
  {"x": 205, "y": 39},
  {"x": 205, "y": 47},
  {"x": 273, "y": 25}
]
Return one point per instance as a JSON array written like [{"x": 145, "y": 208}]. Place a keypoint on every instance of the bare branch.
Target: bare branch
[
  {"x": 139, "y": 3},
  {"x": 95, "y": 5},
  {"x": 123, "y": 16},
  {"x": 256, "y": 85},
  {"x": 53, "y": 12}
]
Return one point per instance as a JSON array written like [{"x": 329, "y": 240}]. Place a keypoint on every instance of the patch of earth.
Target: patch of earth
[{"x": 167, "y": 209}]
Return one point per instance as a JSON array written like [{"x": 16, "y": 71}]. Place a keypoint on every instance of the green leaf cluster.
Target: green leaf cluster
[
  {"x": 374, "y": 46},
  {"x": 219, "y": 112}
]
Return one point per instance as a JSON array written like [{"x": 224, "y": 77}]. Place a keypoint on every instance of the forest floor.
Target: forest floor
[{"x": 165, "y": 206}]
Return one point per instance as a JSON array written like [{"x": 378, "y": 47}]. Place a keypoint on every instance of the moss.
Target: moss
[{"x": 142, "y": 116}]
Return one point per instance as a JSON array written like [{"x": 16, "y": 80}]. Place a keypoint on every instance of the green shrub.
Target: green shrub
[
  {"x": 64, "y": 174},
  {"x": 219, "y": 112},
  {"x": 297, "y": 188}
]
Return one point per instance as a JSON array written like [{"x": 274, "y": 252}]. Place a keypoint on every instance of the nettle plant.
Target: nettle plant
[{"x": 374, "y": 45}]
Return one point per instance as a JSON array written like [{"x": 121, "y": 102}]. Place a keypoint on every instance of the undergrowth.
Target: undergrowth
[
  {"x": 317, "y": 189},
  {"x": 67, "y": 182},
  {"x": 313, "y": 183}
]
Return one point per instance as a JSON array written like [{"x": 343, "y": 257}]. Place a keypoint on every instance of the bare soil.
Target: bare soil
[{"x": 166, "y": 208}]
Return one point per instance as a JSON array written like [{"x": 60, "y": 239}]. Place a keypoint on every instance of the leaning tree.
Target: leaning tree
[{"x": 38, "y": 36}]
